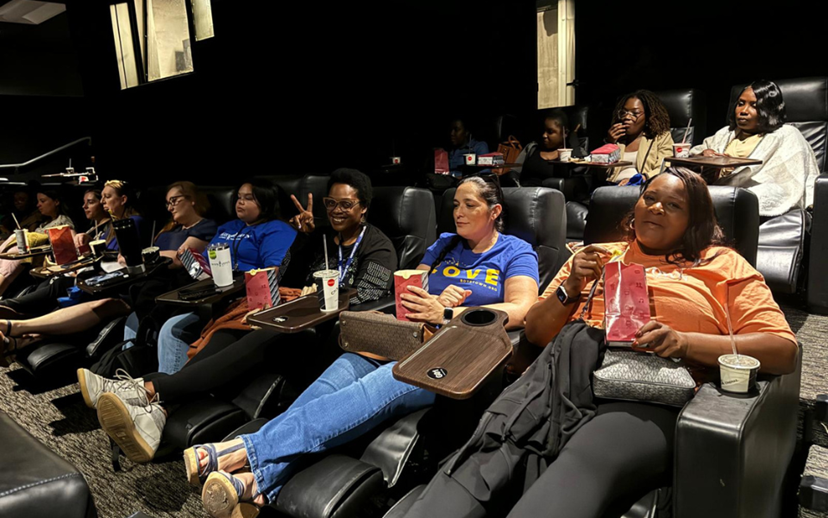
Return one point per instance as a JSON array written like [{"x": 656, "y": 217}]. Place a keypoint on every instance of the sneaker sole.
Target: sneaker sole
[
  {"x": 84, "y": 388},
  {"x": 118, "y": 424},
  {"x": 221, "y": 500}
]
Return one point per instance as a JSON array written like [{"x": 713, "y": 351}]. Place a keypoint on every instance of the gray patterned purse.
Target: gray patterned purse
[
  {"x": 637, "y": 376},
  {"x": 640, "y": 376}
]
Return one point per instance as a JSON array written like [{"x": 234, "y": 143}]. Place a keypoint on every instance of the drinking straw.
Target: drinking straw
[
  {"x": 325, "y": 245},
  {"x": 152, "y": 236},
  {"x": 96, "y": 229},
  {"x": 15, "y": 221},
  {"x": 729, "y": 325},
  {"x": 687, "y": 130}
]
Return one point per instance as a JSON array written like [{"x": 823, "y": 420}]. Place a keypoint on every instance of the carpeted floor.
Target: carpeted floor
[{"x": 59, "y": 419}]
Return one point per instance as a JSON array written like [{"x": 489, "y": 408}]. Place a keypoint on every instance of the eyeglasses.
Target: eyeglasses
[
  {"x": 346, "y": 204},
  {"x": 173, "y": 201},
  {"x": 623, "y": 114}
]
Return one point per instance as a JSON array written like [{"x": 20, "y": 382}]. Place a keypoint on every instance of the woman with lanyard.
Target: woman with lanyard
[
  {"x": 257, "y": 239},
  {"x": 479, "y": 265},
  {"x": 227, "y": 357}
]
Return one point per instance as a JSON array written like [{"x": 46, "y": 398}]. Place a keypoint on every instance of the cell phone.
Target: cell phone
[{"x": 104, "y": 279}]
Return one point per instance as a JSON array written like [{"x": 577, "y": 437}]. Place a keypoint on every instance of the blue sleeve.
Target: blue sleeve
[
  {"x": 481, "y": 148},
  {"x": 274, "y": 240},
  {"x": 523, "y": 262},
  {"x": 143, "y": 230},
  {"x": 435, "y": 249},
  {"x": 228, "y": 228}
]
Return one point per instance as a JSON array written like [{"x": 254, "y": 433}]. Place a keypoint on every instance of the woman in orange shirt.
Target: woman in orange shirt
[{"x": 626, "y": 448}]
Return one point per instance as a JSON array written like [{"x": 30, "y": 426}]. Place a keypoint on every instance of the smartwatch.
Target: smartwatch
[
  {"x": 564, "y": 297},
  {"x": 448, "y": 314}
]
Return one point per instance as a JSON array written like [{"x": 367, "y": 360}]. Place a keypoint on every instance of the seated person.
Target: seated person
[
  {"x": 641, "y": 129},
  {"x": 257, "y": 239},
  {"x": 756, "y": 129},
  {"x": 478, "y": 266},
  {"x": 119, "y": 199},
  {"x": 43, "y": 299},
  {"x": 231, "y": 353},
  {"x": 535, "y": 156},
  {"x": 23, "y": 211},
  {"x": 613, "y": 450},
  {"x": 462, "y": 143},
  {"x": 54, "y": 214},
  {"x": 187, "y": 227}
]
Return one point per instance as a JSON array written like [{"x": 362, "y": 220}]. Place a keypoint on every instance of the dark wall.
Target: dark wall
[
  {"x": 706, "y": 44},
  {"x": 295, "y": 88}
]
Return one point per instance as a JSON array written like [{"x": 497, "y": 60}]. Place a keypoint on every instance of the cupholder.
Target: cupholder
[{"x": 478, "y": 317}]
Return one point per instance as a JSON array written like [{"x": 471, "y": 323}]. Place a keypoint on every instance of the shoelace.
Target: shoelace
[{"x": 124, "y": 377}]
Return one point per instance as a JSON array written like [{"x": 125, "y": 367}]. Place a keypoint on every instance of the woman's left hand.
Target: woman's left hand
[
  {"x": 660, "y": 339},
  {"x": 425, "y": 307}
]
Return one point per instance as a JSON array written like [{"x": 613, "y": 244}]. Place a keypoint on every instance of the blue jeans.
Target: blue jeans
[
  {"x": 131, "y": 327},
  {"x": 174, "y": 341},
  {"x": 354, "y": 395}
]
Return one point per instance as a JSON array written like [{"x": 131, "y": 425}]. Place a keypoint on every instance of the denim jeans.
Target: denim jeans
[
  {"x": 354, "y": 395},
  {"x": 174, "y": 341},
  {"x": 131, "y": 326}
]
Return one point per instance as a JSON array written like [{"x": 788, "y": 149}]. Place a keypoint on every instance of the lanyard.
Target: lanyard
[{"x": 344, "y": 269}]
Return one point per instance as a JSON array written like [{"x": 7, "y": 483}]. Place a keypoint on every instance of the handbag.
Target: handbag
[
  {"x": 510, "y": 149},
  {"x": 630, "y": 375},
  {"x": 381, "y": 334}
]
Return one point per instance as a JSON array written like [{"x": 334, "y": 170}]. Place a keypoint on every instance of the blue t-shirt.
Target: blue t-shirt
[
  {"x": 204, "y": 230},
  {"x": 255, "y": 246},
  {"x": 456, "y": 158},
  {"x": 484, "y": 274}
]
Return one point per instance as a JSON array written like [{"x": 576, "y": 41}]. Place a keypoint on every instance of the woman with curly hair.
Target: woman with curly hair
[
  {"x": 756, "y": 129},
  {"x": 641, "y": 129}
]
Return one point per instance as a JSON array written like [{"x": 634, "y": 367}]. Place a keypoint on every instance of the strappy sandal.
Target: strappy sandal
[
  {"x": 8, "y": 346},
  {"x": 196, "y": 475},
  {"x": 222, "y": 495}
]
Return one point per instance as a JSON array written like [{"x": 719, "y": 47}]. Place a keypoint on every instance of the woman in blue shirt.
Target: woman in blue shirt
[
  {"x": 257, "y": 239},
  {"x": 477, "y": 266}
]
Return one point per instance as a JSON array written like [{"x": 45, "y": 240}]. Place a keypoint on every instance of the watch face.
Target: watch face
[{"x": 561, "y": 293}]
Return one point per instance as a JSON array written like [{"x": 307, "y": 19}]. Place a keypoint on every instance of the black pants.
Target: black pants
[
  {"x": 623, "y": 452},
  {"x": 41, "y": 300},
  {"x": 232, "y": 356}
]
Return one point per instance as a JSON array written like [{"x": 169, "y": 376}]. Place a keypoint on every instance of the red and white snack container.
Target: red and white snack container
[{"x": 402, "y": 280}]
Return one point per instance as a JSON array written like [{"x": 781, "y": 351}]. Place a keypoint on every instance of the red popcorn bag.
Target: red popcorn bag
[
  {"x": 63, "y": 245},
  {"x": 441, "y": 161},
  {"x": 626, "y": 302},
  {"x": 262, "y": 288},
  {"x": 402, "y": 280}
]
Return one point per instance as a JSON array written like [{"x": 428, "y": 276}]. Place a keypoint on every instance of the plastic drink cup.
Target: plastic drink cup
[
  {"x": 470, "y": 158},
  {"x": 22, "y": 237},
  {"x": 98, "y": 246},
  {"x": 221, "y": 264},
  {"x": 738, "y": 372},
  {"x": 396, "y": 160},
  {"x": 681, "y": 150},
  {"x": 327, "y": 289},
  {"x": 150, "y": 254},
  {"x": 565, "y": 154}
]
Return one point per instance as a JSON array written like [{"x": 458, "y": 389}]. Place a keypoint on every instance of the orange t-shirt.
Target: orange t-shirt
[{"x": 693, "y": 298}]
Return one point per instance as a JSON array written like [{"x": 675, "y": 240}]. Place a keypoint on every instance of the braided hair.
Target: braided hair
[{"x": 488, "y": 188}]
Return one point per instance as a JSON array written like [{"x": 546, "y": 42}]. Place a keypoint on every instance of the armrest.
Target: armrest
[
  {"x": 731, "y": 453},
  {"x": 817, "y": 292}
]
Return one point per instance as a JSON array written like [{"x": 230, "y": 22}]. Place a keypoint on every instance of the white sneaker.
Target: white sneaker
[
  {"x": 130, "y": 390},
  {"x": 136, "y": 429}
]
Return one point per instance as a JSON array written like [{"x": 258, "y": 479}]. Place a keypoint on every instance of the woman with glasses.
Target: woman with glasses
[
  {"x": 187, "y": 228},
  {"x": 477, "y": 266},
  {"x": 362, "y": 254},
  {"x": 641, "y": 130}
]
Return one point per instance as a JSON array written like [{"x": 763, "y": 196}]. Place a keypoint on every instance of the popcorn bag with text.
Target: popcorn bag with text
[
  {"x": 262, "y": 288},
  {"x": 196, "y": 265},
  {"x": 626, "y": 302},
  {"x": 402, "y": 280},
  {"x": 63, "y": 245}
]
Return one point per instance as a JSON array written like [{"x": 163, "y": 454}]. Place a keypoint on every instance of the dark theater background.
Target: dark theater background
[{"x": 296, "y": 87}]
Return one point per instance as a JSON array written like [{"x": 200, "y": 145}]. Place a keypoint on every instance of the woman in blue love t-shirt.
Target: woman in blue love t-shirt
[{"x": 478, "y": 266}]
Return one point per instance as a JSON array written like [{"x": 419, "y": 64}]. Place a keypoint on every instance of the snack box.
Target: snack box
[
  {"x": 402, "y": 280},
  {"x": 606, "y": 154}
]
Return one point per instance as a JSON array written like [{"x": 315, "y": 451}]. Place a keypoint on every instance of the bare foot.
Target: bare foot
[
  {"x": 250, "y": 489},
  {"x": 230, "y": 462}
]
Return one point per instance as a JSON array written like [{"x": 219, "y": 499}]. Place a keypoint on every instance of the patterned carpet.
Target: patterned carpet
[{"x": 59, "y": 419}]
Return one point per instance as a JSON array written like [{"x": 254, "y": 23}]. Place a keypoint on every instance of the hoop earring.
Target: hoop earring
[{"x": 632, "y": 224}]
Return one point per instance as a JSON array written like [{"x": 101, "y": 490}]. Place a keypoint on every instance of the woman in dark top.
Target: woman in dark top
[
  {"x": 535, "y": 155},
  {"x": 361, "y": 252}
]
